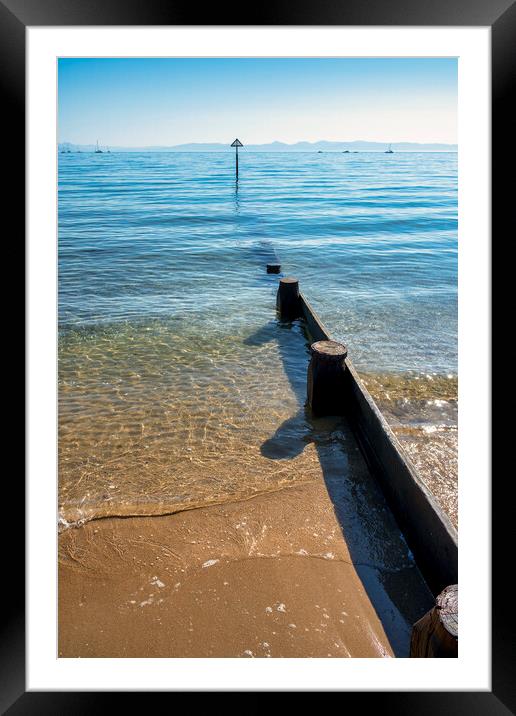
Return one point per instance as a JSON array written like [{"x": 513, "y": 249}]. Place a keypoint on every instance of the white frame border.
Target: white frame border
[{"x": 471, "y": 671}]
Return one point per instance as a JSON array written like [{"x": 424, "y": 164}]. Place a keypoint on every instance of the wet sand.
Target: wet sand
[
  {"x": 422, "y": 411},
  {"x": 271, "y": 576},
  {"x": 435, "y": 457}
]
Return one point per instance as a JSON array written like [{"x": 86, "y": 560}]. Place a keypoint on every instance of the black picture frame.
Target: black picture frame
[{"x": 500, "y": 16}]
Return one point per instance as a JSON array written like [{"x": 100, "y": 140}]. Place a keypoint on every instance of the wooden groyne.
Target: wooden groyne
[
  {"x": 427, "y": 530},
  {"x": 437, "y": 633}
]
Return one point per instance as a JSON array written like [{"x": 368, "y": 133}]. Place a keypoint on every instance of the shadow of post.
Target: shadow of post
[{"x": 378, "y": 550}]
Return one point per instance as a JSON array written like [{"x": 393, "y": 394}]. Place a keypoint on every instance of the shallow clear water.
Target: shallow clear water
[{"x": 173, "y": 371}]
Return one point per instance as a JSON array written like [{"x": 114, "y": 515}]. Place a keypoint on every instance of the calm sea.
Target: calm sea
[{"x": 173, "y": 371}]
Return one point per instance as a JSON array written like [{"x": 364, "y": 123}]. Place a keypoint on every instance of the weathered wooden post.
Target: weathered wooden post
[
  {"x": 288, "y": 300},
  {"x": 237, "y": 143},
  {"x": 437, "y": 633},
  {"x": 273, "y": 268},
  {"x": 326, "y": 378}
]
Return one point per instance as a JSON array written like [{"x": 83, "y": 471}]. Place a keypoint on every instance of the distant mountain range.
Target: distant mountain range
[{"x": 323, "y": 146}]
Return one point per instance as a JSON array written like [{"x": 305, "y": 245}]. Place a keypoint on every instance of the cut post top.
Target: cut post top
[
  {"x": 436, "y": 634},
  {"x": 288, "y": 301},
  {"x": 448, "y": 604},
  {"x": 329, "y": 350}
]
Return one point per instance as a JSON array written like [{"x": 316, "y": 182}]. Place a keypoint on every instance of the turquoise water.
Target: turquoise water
[
  {"x": 166, "y": 315},
  {"x": 372, "y": 238}
]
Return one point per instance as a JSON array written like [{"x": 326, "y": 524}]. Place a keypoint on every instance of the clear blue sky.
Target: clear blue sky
[{"x": 158, "y": 101}]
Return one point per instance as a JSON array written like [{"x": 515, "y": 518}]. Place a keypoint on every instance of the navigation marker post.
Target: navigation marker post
[{"x": 237, "y": 143}]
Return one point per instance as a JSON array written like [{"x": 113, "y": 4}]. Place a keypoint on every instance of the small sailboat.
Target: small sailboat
[
  {"x": 389, "y": 151},
  {"x": 97, "y": 150}
]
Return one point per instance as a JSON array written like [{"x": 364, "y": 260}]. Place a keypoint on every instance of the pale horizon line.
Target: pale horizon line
[{"x": 275, "y": 141}]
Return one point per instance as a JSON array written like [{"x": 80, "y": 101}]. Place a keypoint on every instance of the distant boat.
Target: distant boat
[
  {"x": 346, "y": 151},
  {"x": 319, "y": 151},
  {"x": 97, "y": 150},
  {"x": 389, "y": 151}
]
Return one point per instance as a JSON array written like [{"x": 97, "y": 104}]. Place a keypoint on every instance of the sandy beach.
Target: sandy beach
[{"x": 270, "y": 576}]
